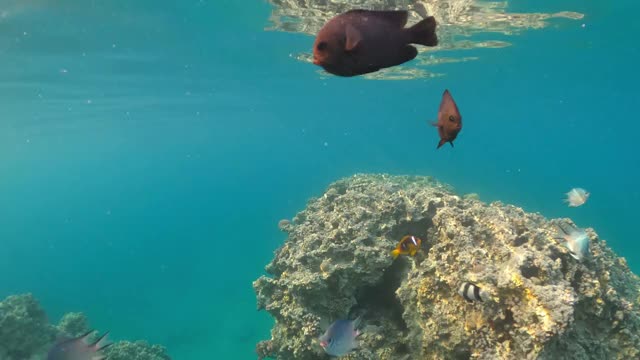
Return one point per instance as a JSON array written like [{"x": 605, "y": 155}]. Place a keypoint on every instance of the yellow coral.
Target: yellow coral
[
  {"x": 474, "y": 320},
  {"x": 517, "y": 280},
  {"x": 529, "y": 295}
]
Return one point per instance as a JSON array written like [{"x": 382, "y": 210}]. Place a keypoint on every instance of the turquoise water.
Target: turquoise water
[{"x": 148, "y": 149}]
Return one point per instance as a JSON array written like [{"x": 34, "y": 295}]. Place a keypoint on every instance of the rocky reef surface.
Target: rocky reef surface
[
  {"x": 544, "y": 303},
  {"x": 459, "y": 21},
  {"x": 26, "y": 334}
]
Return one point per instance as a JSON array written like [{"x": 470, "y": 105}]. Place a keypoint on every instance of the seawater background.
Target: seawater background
[{"x": 149, "y": 148}]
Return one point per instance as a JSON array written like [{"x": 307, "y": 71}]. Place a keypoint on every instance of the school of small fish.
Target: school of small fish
[{"x": 360, "y": 42}]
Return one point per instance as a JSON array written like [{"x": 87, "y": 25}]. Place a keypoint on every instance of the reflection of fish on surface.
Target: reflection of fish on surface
[
  {"x": 78, "y": 349},
  {"x": 449, "y": 121},
  {"x": 408, "y": 245},
  {"x": 359, "y": 42},
  {"x": 341, "y": 337},
  {"x": 576, "y": 240},
  {"x": 577, "y": 197}
]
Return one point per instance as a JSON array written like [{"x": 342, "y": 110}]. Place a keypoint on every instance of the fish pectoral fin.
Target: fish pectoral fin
[
  {"x": 408, "y": 53},
  {"x": 353, "y": 37},
  {"x": 451, "y": 142}
]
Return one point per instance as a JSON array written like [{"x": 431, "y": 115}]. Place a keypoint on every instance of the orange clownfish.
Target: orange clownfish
[{"x": 408, "y": 245}]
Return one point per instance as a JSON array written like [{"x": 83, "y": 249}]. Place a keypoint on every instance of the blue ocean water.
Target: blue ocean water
[{"x": 148, "y": 149}]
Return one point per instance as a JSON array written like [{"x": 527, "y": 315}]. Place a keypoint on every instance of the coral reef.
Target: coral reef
[
  {"x": 139, "y": 350},
  {"x": 25, "y": 333},
  {"x": 544, "y": 304},
  {"x": 24, "y": 328},
  {"x": 459, "y": 21},
  {"x": 73, "y": 324}
]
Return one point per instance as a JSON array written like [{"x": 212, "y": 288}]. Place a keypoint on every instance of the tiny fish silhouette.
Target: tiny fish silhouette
[
  {"x": 449, "y": 121},
  {"x": 359, "y": 42},
  {"x": 78, "y": 349}
]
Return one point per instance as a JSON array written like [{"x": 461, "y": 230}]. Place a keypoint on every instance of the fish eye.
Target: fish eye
[
  {"x": 452, "y": 118},
  {"x": 321, "y": 46},
  {"x": 330, "y": 341}
]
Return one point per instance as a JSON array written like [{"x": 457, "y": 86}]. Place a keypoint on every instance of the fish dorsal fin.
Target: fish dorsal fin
[
  {"x": 101, "y": 343},
  {"x": 356, "y": 321},
  {"x": 63, "y": 339},
  {"x": 395, "y": 17},
  {"x": 353, "y": 37},
  {"x": 448, "y": 107}
]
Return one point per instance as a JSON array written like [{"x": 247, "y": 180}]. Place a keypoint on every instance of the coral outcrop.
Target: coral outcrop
[
  {"x": 544, "y": 303},
  {"x": 138, "y": 350},
  {"x": 73, "y": 324},
  {"x": 24, "y": 328},
  {"x": 26, "y": 334}
]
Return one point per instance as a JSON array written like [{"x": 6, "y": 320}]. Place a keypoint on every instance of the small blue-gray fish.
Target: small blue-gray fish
[
  {"x": 78, "y": 348},
  {"x": 341, "y": 337},
  {"x": 576, "y": 240}
]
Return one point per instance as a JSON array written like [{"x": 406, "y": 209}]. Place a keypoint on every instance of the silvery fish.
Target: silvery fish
[
  {"x": 340, "y": 337},
  {"x": 78, "y": 349},
  {"x": 576, "y": 240},
  {"x": 577, "y": 197}
]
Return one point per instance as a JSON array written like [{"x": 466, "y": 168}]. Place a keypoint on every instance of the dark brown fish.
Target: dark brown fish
[
  {"x": 364, "y": 41},
  {"x": 449, "y": 120}
]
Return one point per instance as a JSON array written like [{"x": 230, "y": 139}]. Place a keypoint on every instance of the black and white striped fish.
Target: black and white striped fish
[{"x": 471, "y": 292}]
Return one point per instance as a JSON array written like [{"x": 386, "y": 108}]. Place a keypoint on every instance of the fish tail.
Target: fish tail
[
  {"x": 395, "y": 253},
  {"x": 424, "y": 32}
]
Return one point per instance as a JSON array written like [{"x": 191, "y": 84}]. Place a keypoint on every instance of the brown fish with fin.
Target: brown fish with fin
[
  {"x": 359, "y": 42},
  {"x": 449, "y": 121}
]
